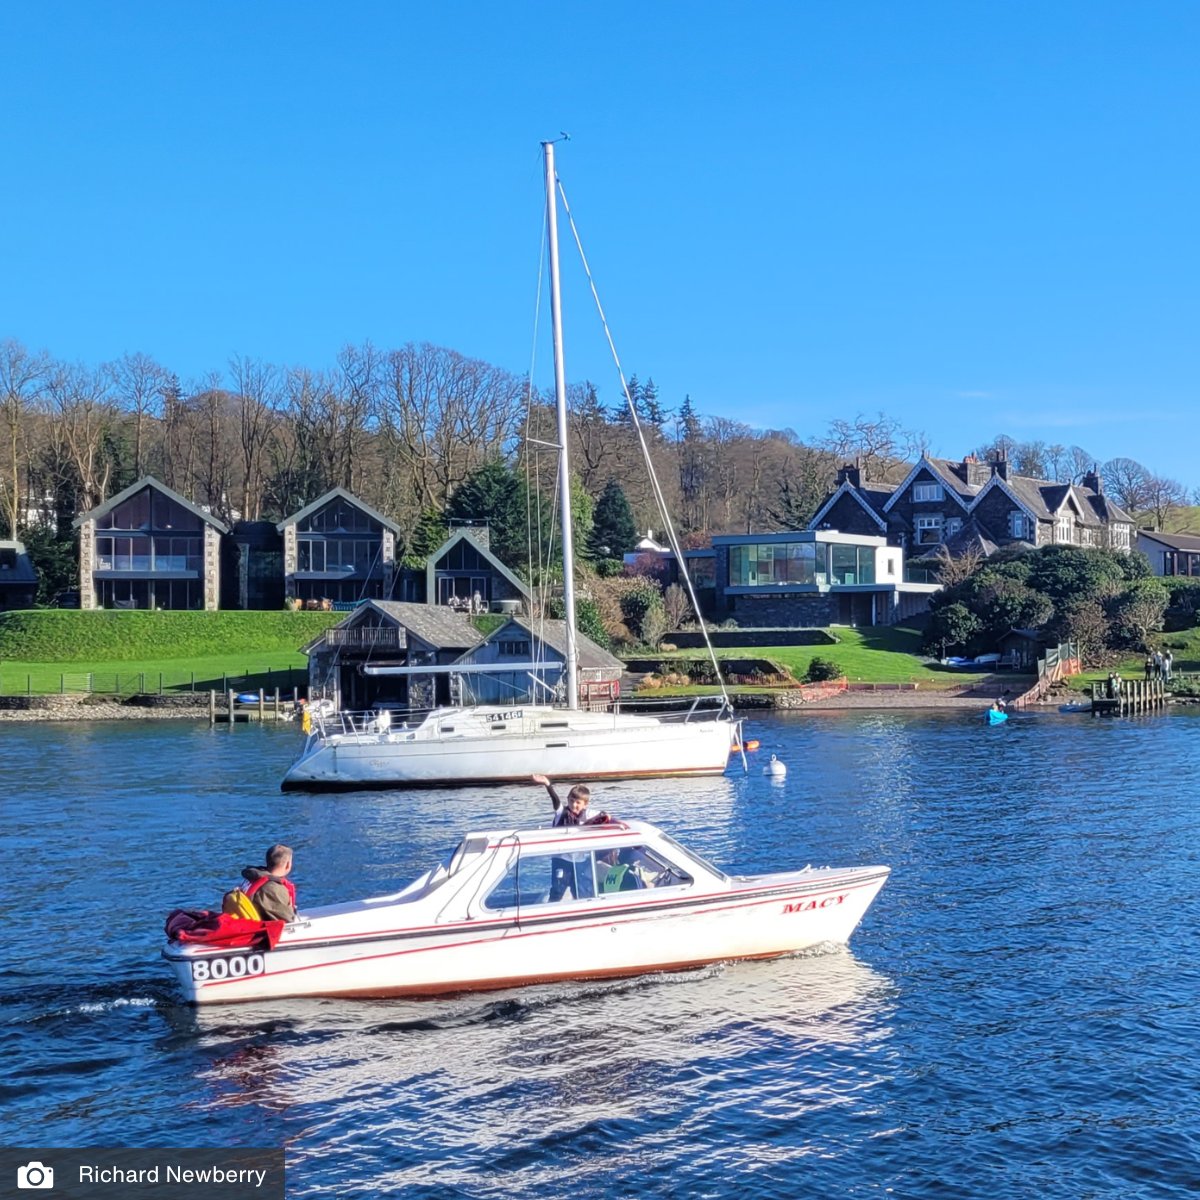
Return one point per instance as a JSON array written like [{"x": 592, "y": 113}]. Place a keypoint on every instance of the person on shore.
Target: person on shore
[
  {"x": 575, "y": 811},
  {"x": 1149, "y": 665},
  {"x": 1158, "y": 664},
  {"x": 268, "y": 886},
  {"x": 1168, "y": 659}
]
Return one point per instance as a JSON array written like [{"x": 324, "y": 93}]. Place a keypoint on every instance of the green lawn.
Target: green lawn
[
  {"x": 889, "y": 654},
  {"x": 1185, "y": 652},
  {"x": 244, "y": 671}
]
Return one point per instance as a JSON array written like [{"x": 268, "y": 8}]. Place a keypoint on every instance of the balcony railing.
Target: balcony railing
[{"x": 372, "y": 637}]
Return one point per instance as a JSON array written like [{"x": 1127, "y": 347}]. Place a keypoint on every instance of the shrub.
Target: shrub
[
  {"x": 822, "y": 669},
  {"x": 609, "y": 568},
  {"x": 637, "y": 603}
]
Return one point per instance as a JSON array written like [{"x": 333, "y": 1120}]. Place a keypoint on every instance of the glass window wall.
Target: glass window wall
[{"x": 812, "y": 563}]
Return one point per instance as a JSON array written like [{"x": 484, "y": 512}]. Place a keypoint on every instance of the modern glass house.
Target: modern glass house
[
  {"x": 813, "y": 577},
  {"x": 338, "y": 548},
  {"x": 148, "y": 547}
]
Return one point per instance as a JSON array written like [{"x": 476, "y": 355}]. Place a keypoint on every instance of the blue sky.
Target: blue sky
[{"x": 975, "y": 218}]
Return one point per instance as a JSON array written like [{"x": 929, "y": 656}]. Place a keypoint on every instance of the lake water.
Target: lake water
[{"x": 1017, "y": 1015}]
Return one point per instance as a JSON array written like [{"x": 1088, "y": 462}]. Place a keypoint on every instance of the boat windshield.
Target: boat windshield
[{"x": 670, "y": 841}]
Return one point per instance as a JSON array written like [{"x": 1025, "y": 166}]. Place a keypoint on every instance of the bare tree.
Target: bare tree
[
  {"x": 878, "y": 443},
  {"x": 1128, "y": 482},
  {"x": 138, "y": 383},
  {"x": 86, "y": 415},
  {"x": 954, "y": 569},
  {"x": 442, "y": 416},
  {"x": 258, "y": 402},
  {"x": 1079, "y": 463},
  {"x": 23, "y": 378},
  {"x": 1163, "y": 497}
]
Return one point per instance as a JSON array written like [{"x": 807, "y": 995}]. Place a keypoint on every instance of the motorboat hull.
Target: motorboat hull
[
  {"x": 759, "y": 918},
  {"x": 581, "y": 746}
]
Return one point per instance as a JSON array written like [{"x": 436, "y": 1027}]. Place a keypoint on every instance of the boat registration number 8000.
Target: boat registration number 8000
[{"x": 228, "y": 966}]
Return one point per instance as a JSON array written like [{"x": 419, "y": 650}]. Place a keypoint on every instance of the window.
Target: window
[
  {"x": 1018, "y": 525},
  {"x": 953, "y": 525},
  {"x": 777, "y": 563},
  {"x": 582, "y": 875},
  {"x": 929, "y": 529},
  {"x": 923, "y": 492},
  {"x": 513, "y": 648},
  {"x": 1064, "y": 529}
]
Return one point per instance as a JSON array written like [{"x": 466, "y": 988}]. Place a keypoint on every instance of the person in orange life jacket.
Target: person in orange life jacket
[
  {"x": 274, "y": 895},
  {"x": 574, "y": 812}
]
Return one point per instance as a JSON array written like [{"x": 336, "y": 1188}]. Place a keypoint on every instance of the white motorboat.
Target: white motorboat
[
  {"x": 496, "y": 743},
  {"x": 516, "y": 907}
]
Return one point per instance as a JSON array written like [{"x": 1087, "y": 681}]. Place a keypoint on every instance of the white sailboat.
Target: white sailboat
[{"x": 489, "y": 743}]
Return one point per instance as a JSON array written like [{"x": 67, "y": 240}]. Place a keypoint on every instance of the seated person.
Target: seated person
[
  {"x": 274, "y": 895},
  {"x": 621, "y": 875}
]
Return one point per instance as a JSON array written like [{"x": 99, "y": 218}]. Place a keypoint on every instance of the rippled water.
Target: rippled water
[{"x": 1016, "y": 1017}]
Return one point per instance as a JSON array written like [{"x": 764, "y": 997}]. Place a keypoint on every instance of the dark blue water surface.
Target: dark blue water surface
[{"x": 1016, "y": 1017}]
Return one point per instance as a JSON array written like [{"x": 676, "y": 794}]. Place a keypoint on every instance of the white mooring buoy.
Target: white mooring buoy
[{"x": 775, "y": 768}]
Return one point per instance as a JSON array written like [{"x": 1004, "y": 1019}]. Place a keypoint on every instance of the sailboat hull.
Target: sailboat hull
[{"x": 587, "y": 746}]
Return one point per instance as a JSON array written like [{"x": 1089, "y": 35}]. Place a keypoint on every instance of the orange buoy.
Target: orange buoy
[
  {"x": 752, "y": 744},
  {"x": 737, "y": 747}
]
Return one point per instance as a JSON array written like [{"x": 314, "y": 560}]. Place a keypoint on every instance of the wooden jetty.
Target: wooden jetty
[
  {"x": 1129, "y": 696},
  {"x": 227, "y": 709}
]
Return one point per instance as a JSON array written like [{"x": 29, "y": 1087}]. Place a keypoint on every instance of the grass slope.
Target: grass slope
[
  {"x": 60, "y": 636},
  {"x": 885, "y": 654}
]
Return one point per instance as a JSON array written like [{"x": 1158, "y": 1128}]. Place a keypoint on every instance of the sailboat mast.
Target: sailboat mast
[{"x": 560, "y": 404}]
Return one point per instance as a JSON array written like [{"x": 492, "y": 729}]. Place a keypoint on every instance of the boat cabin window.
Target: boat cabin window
[{"x": 559, "y": 878}]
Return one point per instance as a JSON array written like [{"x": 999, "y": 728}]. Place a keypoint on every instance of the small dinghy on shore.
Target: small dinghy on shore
[{"x": 516, "y": 907}]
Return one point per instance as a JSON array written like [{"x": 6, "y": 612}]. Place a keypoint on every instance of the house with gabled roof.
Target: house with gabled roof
[
  {"x": 464, "y": 573},
  {"x": 538, "y": 651},
  {"x": 388, "y": 633},
  {"x": 984, "y": 505},
  {"x": 149, "y": 547},
  {"x": 18, "y": 576},
  {"x": 340, "y": 549},
  {"x": 1170, "y": 553}
]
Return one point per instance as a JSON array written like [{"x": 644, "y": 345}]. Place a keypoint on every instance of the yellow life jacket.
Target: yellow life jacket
[{"x": 238, "y": 904}]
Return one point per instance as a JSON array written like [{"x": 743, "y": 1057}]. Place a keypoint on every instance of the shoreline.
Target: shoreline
[{"x": 84, "y": 708}]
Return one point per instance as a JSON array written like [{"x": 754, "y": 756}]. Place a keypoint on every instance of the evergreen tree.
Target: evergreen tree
[
  {"x": 613, "y": 531},
  {"x": 620, "y": 412},
  {"x": 649, "y": 409},
  {"x": 427, "y": 535},
  {"x": 495, "y": 493}
]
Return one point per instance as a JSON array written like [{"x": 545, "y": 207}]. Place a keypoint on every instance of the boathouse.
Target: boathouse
[
  {"x": 523, "y": 642},
  {"x": 392, "y": 634}
]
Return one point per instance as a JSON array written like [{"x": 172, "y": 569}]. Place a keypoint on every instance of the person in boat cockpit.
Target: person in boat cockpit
[
  {"x": 273, "y": 893},
  {"x": 622, "y": 874},
  {"x": 575, "y": 811}
]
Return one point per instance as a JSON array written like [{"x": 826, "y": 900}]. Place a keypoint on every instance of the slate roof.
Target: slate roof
[
  {"x": 1174, "y": 541},
  {"x": 554, "y": 634},
  {"x": 23, "y": 572},
  {"x": 433, "y": 624},
  {"x": 342, "y": 494},
  {"x": 132, "y": 490},
  {"x": 436, "y": 624}
]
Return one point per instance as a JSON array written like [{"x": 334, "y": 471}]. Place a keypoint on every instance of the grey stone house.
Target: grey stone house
[
  {"x": 463, "y": 567},
  {"x": 983, "y": 505}
]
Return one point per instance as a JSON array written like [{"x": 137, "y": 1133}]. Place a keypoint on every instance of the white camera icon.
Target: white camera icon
[{"x": 35, "y": 1175}]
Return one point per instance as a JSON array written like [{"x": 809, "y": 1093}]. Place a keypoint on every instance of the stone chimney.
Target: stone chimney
[
  {"x": 481, "y": 535},
  {"x": 1093, "y": 482},
  {"x": 999, "y": 466},
  {"x": 850, "y": 473},
  {"x": 975, "y": 473}
]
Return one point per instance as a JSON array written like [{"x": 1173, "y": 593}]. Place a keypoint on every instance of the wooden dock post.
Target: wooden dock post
[
  {"x": 232, "y": 715},
  {"x": 262, "y": 706},
  {"x": 212, "y": 706},
  {"x": 277, "y": 704}
]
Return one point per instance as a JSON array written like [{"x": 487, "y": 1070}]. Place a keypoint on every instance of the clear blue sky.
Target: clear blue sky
[{"x": 977, "y": 218}]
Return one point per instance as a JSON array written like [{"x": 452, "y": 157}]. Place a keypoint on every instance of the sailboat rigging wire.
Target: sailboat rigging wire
[{"x": 672, "y": 536}]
